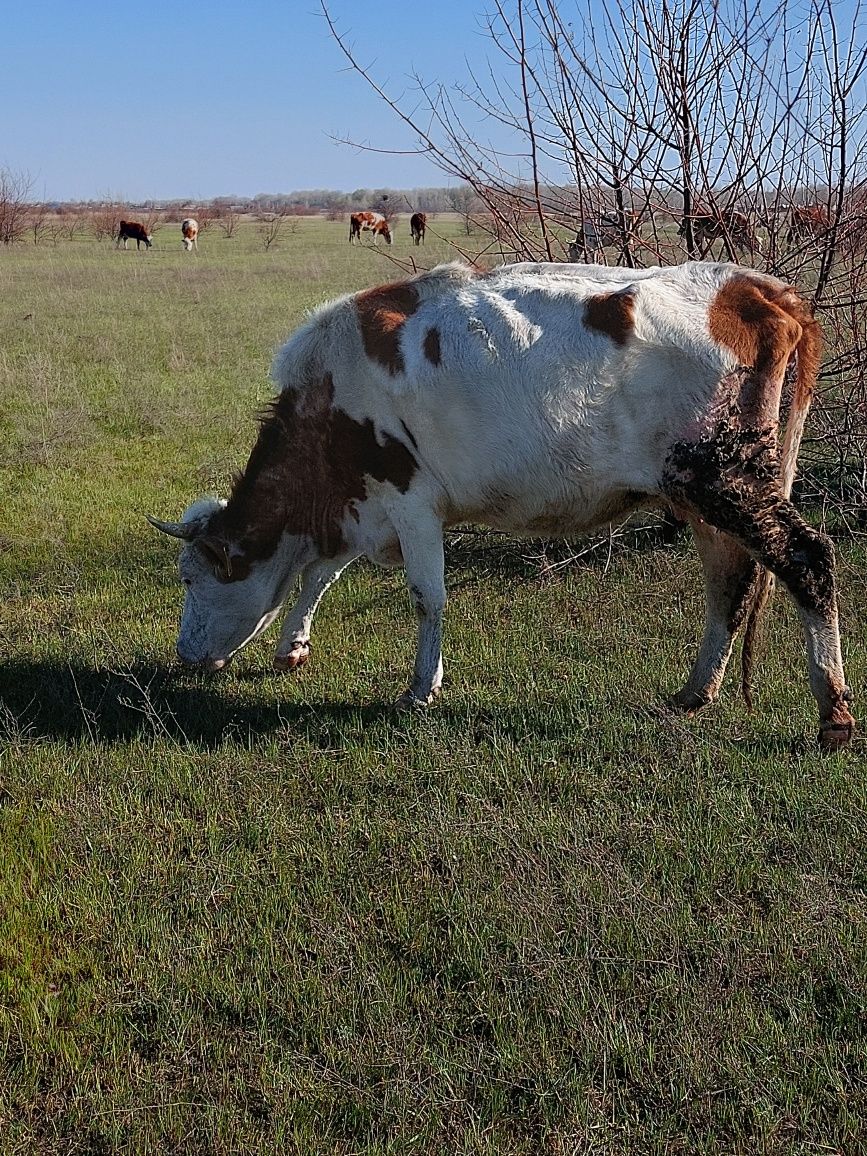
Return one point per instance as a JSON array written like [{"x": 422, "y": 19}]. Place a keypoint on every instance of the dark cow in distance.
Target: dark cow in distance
[
  {"x": 538, "y": 399},
  {"x": 133, "y": 231},
  {"x": 374, "y": 223},
  {"x": 727, "y": 224},
  {"x": 603, "y": 230},
  {"x": 418, "y": 227}
]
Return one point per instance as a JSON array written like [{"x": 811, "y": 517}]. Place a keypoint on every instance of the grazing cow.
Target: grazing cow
[
  {"x": 808, "y": 223},
  {"x": 374, "y": 222},
  {"x": 190, "y": 234},
  {"x": 541, "y": 399},
  {"x": 729, "y": 224},
  {"x": 597, "y": 233},
  {"x": 133, "y": 231},
  {"x": 418, "y": 227}
]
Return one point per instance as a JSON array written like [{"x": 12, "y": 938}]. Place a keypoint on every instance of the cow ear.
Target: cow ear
[{"x": 217, "y": 552}]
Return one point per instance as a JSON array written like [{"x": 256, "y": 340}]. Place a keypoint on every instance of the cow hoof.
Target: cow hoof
[
  {"x": 409, "y": 702},
  {"x": 297, "y": 657},
  {"x": 836, "y": 736},
  {"x": 689, "y": 701}
]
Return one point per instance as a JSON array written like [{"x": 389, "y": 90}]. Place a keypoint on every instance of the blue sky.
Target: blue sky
[{"x": 200, "y": 100}]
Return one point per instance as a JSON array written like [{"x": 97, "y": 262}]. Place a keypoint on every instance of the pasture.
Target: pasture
[{"x": 260, "y": 913}]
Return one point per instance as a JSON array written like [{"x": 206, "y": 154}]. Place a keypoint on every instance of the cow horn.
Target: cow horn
[{"x": 185, "y": 530}]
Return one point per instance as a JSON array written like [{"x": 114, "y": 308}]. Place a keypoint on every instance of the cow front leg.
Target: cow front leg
[
  {"x": 421, "y": 543},
  {"x": 293, "y": 648},
  {"x": 730, "y": 578}
]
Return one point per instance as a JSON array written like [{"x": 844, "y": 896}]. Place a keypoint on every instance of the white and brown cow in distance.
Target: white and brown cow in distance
[
  {"x": 536, "y": 399},
  {"x": 418, "y": 227},
  {"x": 374, "y": 223},
  {"x": 133, "y": 231},
  {"x": 190, "y": 234}
]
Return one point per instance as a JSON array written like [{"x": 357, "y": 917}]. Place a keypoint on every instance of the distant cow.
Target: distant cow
[
  {"x": 605, "y": 229},
  {"x": 190, "y": 234},
  {"x": 808, "y": 223},
  {"x": 540, "y": 399},
  {"x": 133, "y": 231},
  {"x": 374, "y": 222},
  {"x": 418, "y": 226},
  {"x": 728, "y": 224}
]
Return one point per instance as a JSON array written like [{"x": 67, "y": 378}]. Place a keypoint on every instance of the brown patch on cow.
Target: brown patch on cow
[
  {"x": 612, "y": 314},
  {"x": 432, "y": 346},
  {"x": 307, "y": 469},
  {"x": 762, "y": 326},
  {"x": 381, "y": 315}
]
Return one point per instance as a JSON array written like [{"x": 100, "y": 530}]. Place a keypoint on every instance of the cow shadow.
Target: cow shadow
[{"x": 72, "y": 702}]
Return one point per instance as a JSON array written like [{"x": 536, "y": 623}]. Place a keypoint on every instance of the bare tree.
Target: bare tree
[
  {"x": 228, "y": 221},
  {"x": 105, "y": 217},
  {"x": 14, "y": 207},
  {"x": 463, "y": 201},
  {"x": 273, "y": 224},
  {"x": 690, "y": 128},
  {"x": 38, "y": 222}
]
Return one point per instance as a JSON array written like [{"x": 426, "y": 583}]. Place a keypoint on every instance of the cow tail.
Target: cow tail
[{"x": 808, "y": 357}]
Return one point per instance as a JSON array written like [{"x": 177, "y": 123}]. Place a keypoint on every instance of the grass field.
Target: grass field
[{"x": 264, "y": 914}]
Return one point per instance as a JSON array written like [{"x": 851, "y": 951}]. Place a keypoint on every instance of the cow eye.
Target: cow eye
[{"x": 187, "y": 582}]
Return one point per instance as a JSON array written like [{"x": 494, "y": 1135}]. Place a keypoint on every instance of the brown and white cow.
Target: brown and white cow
[
  {"x": 727, "y": 224},
  {"x": 539, "y": 399},
  {"x": 418, "y": 227},
  {"x": 133, "y": 231},
  {"x": 190, "y": 234},
  {"x": 373, "y": 222}
]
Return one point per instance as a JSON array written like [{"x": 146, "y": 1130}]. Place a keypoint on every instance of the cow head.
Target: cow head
[
  {"x": 385, "y": 229},
  {"x": 148, "y": 240},
  {"x": 231, "y": 596}
]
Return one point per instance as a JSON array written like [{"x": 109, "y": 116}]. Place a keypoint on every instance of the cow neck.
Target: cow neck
[{"x": 307, "y": 470}]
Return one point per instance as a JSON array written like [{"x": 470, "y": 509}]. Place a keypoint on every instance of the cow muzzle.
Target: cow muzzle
[{"x": 209, "y": 665}]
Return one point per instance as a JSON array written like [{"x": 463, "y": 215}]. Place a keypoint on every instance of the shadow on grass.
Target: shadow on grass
[{"x": 72, "y": 702}]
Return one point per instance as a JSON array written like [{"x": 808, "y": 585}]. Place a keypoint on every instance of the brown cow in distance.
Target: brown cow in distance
[
  {"x": 133, "y": 231},
  {"x": 374, "y": 222},
  {"x": 807, "y": 223},
  {"x": 728, "y": 224},
  {"x": 417, "y": 227}
]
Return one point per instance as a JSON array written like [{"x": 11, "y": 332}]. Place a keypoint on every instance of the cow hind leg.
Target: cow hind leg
[
  {"x": 734, "y": 488},
  {"x": 730, "y": 577}
]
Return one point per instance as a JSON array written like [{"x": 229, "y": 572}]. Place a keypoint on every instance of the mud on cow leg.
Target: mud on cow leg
[{"x": 730, "y": 479}]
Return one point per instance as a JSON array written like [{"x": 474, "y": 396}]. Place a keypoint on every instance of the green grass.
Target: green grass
[{"x": 263, "y": 914}]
